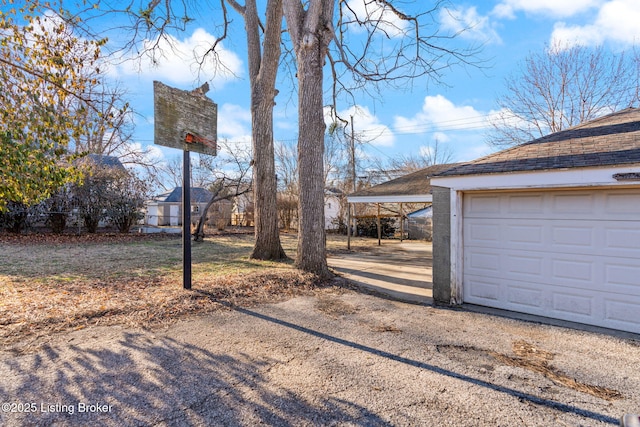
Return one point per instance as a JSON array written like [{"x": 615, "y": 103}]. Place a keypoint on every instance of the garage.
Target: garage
[
  {"x": 549, "y": 228},
  {"x": 571, "y": 255}
]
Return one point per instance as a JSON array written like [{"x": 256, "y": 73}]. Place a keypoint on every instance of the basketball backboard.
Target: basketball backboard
[{"x": 184, "y": 120}]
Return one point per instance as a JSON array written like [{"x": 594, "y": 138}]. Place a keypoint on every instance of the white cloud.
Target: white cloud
[
  {"x": 385, "y": 19},
  {"x": 469, "y": 24},
  {"x": 567, "y": 36},
  {"x": 175, "y": 61},
  {"x": 439, "y": 113},
  {"x": 440, "y": 137},
  {"x": 234, "y": 123},
  {"x": 616, "y": 21},
  {"x": 554, "y": 8},
  {"x": 367, "y": 126}
]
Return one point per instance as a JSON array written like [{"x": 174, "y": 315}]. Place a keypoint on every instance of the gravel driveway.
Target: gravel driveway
[{"x": 339, "y": 358}]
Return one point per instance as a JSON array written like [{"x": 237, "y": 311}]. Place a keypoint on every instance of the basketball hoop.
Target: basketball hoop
[
  {"x": 178, "y": 114},
  {"x": 194, "y": 138}
]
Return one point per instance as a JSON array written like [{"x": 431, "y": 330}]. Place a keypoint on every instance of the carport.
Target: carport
[
  {"x": 411, "y": 188},
  {"x": 396, "y": 269}
]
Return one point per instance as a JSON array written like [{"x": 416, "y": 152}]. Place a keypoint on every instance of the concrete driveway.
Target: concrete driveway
[
  {"x": 338, "y": 358},
  {"x": 400, "y": 270}
]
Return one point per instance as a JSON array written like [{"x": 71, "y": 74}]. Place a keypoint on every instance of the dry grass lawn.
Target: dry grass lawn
[{"x": 51, "y": 283}]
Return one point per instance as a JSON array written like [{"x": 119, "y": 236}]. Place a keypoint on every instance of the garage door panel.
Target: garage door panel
[
  {"x": 573, "y": 236},
  {"x": 575, "y": 203},
  {"x": 574, "y": 271},
  {"x": 495, "y": 232},
  {"x": 524, "y": 233},
  {"x": 623, "y": 240},
  {"x": 482, "y": 205},
  {"x": 622, "y": 204},
  {"x": 622, "y": 314},
  {"x": 622, "y": 278},
  {"x": 572, "y": 255},
  {"x": 484, "y": 262},
  {"x": 484, "y": 232},
  {"x": 525, "y": 294},
  {"x": 483, "y": 291},
  {"x": 526, "y": 264},
  {"x": 572, "y": 304},
  {"x": 525, "y": 205}
]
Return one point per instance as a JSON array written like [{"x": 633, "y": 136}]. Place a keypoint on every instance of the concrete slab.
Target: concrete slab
[{"x": 399, "y": 270}]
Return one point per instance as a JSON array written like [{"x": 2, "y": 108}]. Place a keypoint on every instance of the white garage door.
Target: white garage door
[{"x": 572, "y": 255}]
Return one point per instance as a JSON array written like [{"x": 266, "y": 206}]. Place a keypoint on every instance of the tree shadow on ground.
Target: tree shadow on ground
[{"x": 159, "y": 381}]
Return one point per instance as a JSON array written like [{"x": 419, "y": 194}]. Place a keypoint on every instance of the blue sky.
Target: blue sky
[{"x": 402, "y": 122}]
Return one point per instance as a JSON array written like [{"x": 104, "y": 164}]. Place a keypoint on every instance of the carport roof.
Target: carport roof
[
  {"x": 411, "y": 188},
  {"x": 609, "y": 140}
]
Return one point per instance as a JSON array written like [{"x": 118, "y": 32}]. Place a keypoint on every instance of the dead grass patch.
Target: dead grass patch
[
  {"x": 334, "y": 307},
  {"x": 386, "y": 328},
  {"x": 533, "y": 359},
  {"x": 56, "y": 285},
  {"x": 35, "y": 312}
]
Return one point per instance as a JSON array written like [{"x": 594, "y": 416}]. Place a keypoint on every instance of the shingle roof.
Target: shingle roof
[
  {"x": 609, "y": 140},
  {"x": 102, "y": 160},
  {"x": 415, "y": 183},
  {"x": 198, "y": 195}
]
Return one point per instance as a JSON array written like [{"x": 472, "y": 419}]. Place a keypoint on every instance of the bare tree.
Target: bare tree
[
  {"x": 562, "y": 87},
  {"x": 429, "y": 155},
  {"x": 229, "y": 177},
  {"x": 417, "y": 49},
  {"x": 288, "y": 176},
  {"x": 111, "y": 127}
]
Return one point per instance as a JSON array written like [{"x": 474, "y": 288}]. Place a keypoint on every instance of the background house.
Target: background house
[
  {"x": 166, "y": 209},
  {"x": 550, "y": 227},
  {"x": 334, "y": 214},
  {"x": 242, "y": 210}
]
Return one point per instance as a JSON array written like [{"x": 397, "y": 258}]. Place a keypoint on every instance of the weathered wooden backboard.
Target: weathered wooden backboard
[{"x": 184, "y": 120}]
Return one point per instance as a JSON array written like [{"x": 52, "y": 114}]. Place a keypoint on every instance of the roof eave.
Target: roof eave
[{"x": 414, "y": 198}]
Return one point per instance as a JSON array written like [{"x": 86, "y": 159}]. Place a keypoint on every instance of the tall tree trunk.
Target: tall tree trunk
[
  {"x": 263, "y": 66},
  {"x": 310, "y": 31},
  {"x": 267, "y": 233},
  {"x": 311, "y": 233}
]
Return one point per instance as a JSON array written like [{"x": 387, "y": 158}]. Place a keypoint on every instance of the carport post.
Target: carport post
[
  {"x": 378, "y": 224},
  {"x": 401, "y": 224},
  {"x": 348, "y": 226}
]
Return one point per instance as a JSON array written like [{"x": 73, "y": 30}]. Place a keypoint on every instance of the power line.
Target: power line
[{"x": 460, "y": 124}]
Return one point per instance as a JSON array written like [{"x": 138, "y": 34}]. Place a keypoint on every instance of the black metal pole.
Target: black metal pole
[{"x": 186, "y": 220}]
